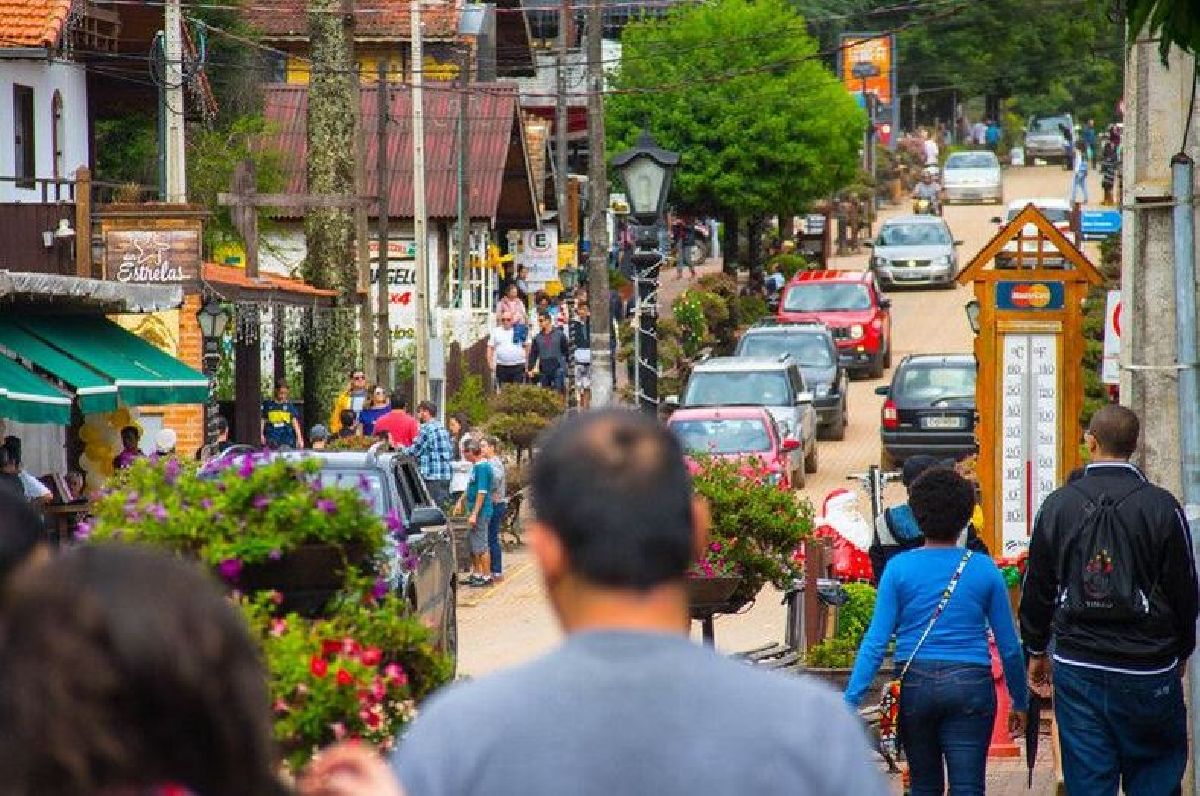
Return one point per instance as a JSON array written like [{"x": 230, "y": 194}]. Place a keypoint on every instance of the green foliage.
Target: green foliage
[
  {"x": 127, "y": 149},
  {"x": 469, "y": 400},
  {"x": 832, "y": 653},
  {"x": 1170, "y": 21},
  {"x": 789, "y": 264},
  {"x": 251, "y": 511},
  {"x": 751, "y": 309},
  {"x": 854, "y": 617},
  {"x": 758, "y": 126},
  {"x": 759, "y": 526},
  {"x": 518, "y": 399}
]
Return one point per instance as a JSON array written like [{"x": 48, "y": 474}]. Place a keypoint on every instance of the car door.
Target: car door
[
  {"x": 431, "y": 548},
  {"x": 806, "y": 412}
]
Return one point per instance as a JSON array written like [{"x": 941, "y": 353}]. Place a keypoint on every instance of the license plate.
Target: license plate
[{"x": 941, "y": 422}]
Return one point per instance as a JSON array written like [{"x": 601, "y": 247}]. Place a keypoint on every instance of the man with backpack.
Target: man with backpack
[{"x": 1110, "y": 578}]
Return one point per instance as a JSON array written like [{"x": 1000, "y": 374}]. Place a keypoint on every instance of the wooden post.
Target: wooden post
[{"x": 83, "y": 222}]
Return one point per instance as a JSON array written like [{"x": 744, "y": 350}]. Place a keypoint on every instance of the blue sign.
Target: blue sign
[
  {"x": 1099, "y": 223},
  {"x": 1030, "y": 295}
]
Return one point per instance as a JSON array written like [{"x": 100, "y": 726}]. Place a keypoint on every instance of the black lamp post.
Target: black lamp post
[
  {"x": 863, "y": 70},
  {"x": 213, "y": 320},
  {"x": 646, "y": 170}
]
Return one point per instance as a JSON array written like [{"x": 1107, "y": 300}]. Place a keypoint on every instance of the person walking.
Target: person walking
[
  {"x": 581, "y": 352},
  {"x": 505, "y": 352},
  {"x": 491, "y": 452},
  {"x": 476, "y": 499},
  {"x": 1109, "y": 164},
  {"x": 377, "y": 407},
  {"x": 939, "y": 602},
  {"x": 1088, "y": 136},
  {"x": 401, "y": 427},
  {"x": 433, "y": 452},
  {"x": 628, "y": 703},
  {"x": 353, "y": 398},
  {"x": 547, "y": 360},
  {"x": 281, "y": 421},
  {"x": 515, "y": 306},
  {"x": 1110, "y": 579},
  {"x": 993, "y": 136},
  {"x": 929, "y": 147},
  {"x": 1080, "y": 174}
]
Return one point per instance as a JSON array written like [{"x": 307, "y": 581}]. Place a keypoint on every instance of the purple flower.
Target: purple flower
[
  {"x": 380, "y": 589},
  {"x": 158, "y": 511},
  {"x": 246, "y": 468},
  {"x": 326, "y": 505},
  {"x": 260, "y": 502},
  {"x": 230, "y": 569},
  {"x": 395, "y": 524},
  {"x": 171, "y": 470},
  {"x": 206, "y": 504},
  {"x": 83, "y": 529},
  {"x": 275, "y": 555},
  {"x": 364, "y": 484}
]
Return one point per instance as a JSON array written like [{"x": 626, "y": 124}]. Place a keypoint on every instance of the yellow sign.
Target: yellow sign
[{"x": 567, "y": 255}]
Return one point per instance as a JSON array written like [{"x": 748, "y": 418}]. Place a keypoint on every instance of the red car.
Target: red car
[
  {"x": 854, "y": 308},
  {"x": 746, "y": 434}
]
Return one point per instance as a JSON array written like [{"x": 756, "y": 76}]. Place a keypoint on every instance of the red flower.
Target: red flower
[
  {"x": 318, "y": 666},
  {"x": 371, "y": 656},
  {"x": 344, "y": 677},
  {"x": 351, "y": 648},
  {"x": 330, "y": 647}
]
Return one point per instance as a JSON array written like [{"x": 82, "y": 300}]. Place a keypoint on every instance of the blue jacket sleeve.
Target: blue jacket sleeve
[
  {"x": 1009, "y": 646},
  {"x": 870, "y": 652}
]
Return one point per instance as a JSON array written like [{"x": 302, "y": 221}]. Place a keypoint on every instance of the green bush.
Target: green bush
[
  {"x": 751, "y": 309},
  {"x": 832, "y": 653},
  {"x": 855, "y": 615},
  {"x": 789, "y": 264},
  {"x": 522, "y": 399},
  {"x": 469, "y": 400}
]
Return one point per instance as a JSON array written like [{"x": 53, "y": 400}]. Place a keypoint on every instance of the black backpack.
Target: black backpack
[{"x": 1102, "y": 582}]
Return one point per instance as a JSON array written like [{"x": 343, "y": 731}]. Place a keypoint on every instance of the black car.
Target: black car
[
  {"x": 812, "y": 347},
  {"x": 930, "y": 408}
]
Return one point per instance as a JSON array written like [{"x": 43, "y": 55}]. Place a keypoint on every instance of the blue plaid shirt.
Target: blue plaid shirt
[{"x": 432, "y": 450}]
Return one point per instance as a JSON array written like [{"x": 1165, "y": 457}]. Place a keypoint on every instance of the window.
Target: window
[
  {"x": 830, "y": 296},
  {"x": 23, "y": 136},
  {"x": 57, "y": 135}
]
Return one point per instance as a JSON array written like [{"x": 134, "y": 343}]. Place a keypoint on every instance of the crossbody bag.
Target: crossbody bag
[{"x": 889, "y": 700}]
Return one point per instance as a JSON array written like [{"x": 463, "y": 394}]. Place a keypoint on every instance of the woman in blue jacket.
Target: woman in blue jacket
[{"x": 947, "y": 699}]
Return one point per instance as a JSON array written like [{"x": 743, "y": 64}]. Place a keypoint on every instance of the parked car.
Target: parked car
[
  {"x": 972, "y": 177},
  {"x": 1057, "y": 211},
  {"x": 813, "y": 348},
  {"x": 748, "y": 435},
  {"x": 852, "y": 305},
  {"x": 1044, "y": 137},
  {"x": 392, "y": 482},
  {"x": 774, "y": 383},
  {"x": 915, "y": 250},
  {"x": 929, "y": 408}
]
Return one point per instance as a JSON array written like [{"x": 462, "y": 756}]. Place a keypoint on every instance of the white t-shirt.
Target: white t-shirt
[
  {"x": 34, "y": 489},
  {"x": 507, "y": 352},
  {"x": 931, "y": 152}
]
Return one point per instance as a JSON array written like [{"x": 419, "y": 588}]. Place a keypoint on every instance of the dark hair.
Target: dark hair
[
  {"x": 126, "y": 668},
  {"x": 1116, "y": 429},
  {"x": 942, "y": 502},
  {"x": 612, "y": 485},
  {"x": 131, "y": 430},
  {"x": 347, "y": 417},
  {"x": 399, "y": 400},
  {"x": 13, "y": 446},
  {"x": 471, "y": 445},
  {"x": 428, "y": 406},
  {"x": 281, "y": 385},
  {"x": 221, "y": 424},
  {"x": 464, "y": 422},
  {"x": 21, "y": 530}
]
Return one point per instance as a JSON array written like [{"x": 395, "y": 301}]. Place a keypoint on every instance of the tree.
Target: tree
[
  {"x": 1172, "y": 21},
  {"x": 738, "y": 88}
]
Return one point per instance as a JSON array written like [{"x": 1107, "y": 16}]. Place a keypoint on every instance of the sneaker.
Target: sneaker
[{"x": 478, "y": 581}]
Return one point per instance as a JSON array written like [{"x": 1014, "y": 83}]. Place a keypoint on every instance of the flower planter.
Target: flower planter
[
  {"x": 307, "y": 576},
  {"x": 839, "y": 677},
  {"x": 708, "y": 596}
]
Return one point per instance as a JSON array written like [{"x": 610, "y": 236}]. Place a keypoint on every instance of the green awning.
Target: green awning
[
  {"x": 25, "y": 398},
  {"x": 94, "y": 391},
  {"x": 143, "y": 374}
]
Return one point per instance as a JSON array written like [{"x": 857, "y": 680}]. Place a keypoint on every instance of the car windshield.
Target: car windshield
[
  {"x": 971, "y": 160},
  {"x": 808, "y": 350},
  {"x": 1049, "y": 125},
  {"x": 934, "y": 382},
  {"x": 913, "y": 235},
  {"x": 761, "y": 388},
  {"x": 815, "y": 297},
  {"x": 1055, "y": 215},
  {"x": 368, "y": 483},
  {"x": 722, "y": 436}
]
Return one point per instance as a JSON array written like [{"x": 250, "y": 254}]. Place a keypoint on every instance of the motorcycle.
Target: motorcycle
[{"x": 923, "y": 206}]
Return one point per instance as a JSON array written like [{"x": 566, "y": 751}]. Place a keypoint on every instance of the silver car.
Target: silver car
[
  {"x": 972, "y": 177},
  {"x": 1044, "y": 137},
  {"x": 915, "y": 250}
]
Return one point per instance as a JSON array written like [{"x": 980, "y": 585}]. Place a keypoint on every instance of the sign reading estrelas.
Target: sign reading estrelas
[{"x": 156, "y": 257}]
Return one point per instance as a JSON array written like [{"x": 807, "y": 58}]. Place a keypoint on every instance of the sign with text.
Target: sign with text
[
  {"x": 537, "y": 250},
  {"x": 402, "y": 286},
  {"x": 1110, "y": 371},
  {"x": 153, "y": 257},
  {"x": 874, "y": 49},
  {"x": 1030, "y": 295}
]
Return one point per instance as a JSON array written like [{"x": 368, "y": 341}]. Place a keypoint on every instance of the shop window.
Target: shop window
[{"x": 25, "y": 168}]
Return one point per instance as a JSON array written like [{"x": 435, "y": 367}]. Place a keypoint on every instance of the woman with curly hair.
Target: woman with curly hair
[{"x": 127, "y": 672}]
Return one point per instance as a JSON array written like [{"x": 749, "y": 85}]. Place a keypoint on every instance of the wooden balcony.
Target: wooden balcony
[{"x": 31, "y": 240}]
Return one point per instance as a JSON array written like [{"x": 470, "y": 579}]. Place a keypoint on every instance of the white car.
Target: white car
[
  {"x": 972, "y": 177},
  {"x": 1058, "y": 211}
]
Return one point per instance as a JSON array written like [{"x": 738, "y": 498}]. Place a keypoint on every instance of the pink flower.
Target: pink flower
[
  {"x": 281, "y": 707},
  {"x": 378, "y": 689},
  {"x": 371, "y": 656},
  {"x": 206, "y": 504},
  {"x": 351, "y": 648},
  {"x": 230, "y": 569},
  {"x": 394, "y": 673},
  {"x": 380, "y": 589},
  {"x": 158, "y": 512},
  {"x": 715, "y": 547},
  {"x": 278, "y": 627},
  {"x": 171, "y": 470},
  {"x": 326, "y": 505},
  {"x": 83, "y": 529},
  {"x": 394, "y": 523},
  {"x": 275, "y": 555},
  {"x": 339, "y": 730},
  {"x": 260, "y": 502}
]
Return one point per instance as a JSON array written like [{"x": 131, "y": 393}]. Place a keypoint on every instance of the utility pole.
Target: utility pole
[
  {"x": 420, "y": 220},
  {"x": 172, "y": 106},
  {"x": 561, "y": 120},
  {"x": 602, "y": 373},
  {"x": 362, "y": 238},
  {"x": 383, "y": 338},
  {"x": 464, "y": 189}
]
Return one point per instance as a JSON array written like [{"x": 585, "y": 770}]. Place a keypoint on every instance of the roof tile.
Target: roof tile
[
  {"x": 386, "y": 19},
  {"x": 32, "y": 23}
]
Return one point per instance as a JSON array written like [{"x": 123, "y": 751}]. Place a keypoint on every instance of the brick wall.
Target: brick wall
[{"x": 187, "y": 420}]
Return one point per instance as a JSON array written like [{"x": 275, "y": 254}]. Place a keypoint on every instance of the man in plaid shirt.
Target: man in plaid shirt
[{"x": 433, "y": 452}]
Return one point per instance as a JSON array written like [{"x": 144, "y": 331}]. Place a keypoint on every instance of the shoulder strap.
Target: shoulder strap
[{"x": 941, "y": 606}]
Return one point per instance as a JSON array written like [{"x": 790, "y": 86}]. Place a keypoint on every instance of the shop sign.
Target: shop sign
[{"x": 154, "y": 257}]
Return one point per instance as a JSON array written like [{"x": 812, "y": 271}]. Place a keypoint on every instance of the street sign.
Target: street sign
[
  {"x": 1097, "y": 224},
  {"x": 537, "y": 250},
  {"x": 1029, "y": 393},
  {"x": 1110, "y": 372}
]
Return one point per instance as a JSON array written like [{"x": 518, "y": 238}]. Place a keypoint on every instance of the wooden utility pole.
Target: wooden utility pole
[
  {"x": 463, "y": 294},
  {"x": 362, "y": 240},
  {"x": 602, "y": 374},
  {"x": 383, "y": 337},
  {"x": 421, "y": 390},
  {"x": 561, "y": 122},
  {"x": 329, "y": 231}
]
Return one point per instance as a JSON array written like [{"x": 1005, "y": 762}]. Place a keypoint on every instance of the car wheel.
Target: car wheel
[
  {"x": 837, "y": 427},
  {"x": 810, "y": 460},
  {"x": 886, "y": 462}
]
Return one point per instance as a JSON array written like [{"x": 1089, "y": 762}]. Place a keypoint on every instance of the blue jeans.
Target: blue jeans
[
  {"x": 493, "y": 537},
  {"x": 1120, "y": 729},
  {"x": 946, "y": 715},
  {"x": 1079, "y": 185}
]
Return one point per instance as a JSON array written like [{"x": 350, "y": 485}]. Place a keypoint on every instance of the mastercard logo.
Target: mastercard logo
[{"x": 1035, "y": 295}]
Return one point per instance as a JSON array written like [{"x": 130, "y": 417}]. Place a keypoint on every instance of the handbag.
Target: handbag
[{"x": 889, "y": 699}]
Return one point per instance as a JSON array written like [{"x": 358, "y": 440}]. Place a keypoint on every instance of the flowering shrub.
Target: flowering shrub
[
  {"x": 240, "y": 511},
  {"x": 757, "y": 526}
]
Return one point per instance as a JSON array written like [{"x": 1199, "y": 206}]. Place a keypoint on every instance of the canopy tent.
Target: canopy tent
[
  {"x": 27, "y": 399},
  {"x": 96, "y": 359}
]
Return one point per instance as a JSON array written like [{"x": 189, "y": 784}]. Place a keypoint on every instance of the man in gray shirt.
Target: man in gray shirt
[{"x": 628, "y": 704}]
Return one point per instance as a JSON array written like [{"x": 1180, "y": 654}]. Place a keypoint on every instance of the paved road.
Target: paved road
[{"x": 512, "y": 623}]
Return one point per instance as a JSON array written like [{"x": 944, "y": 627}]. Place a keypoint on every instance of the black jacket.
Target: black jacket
[
  {"x": 548, "y": 352},
  {"x": 1162, "y": 549}
]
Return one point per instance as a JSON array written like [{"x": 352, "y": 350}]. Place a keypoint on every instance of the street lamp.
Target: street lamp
[
  {"x": 973, "y": 309},
  {"x": 913, "y": 91},
  {"x": 213, "y": 320},
  {"x": 646, "y": 170},
  {"x": 864, "y": 70}
]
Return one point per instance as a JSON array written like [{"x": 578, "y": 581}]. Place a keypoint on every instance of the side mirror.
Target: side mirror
[
  {"x": 790, "y": 445},
  {"x": 997, "y": 220},
  {"x": 426, "y": 516},
  {"x": 671, "y": 401},
  {"x": 958, "y": 243},
  {"x": 885, "y": 303},
  {"x": 884, "y": 390},
  {"x": 804, "y": 398}
]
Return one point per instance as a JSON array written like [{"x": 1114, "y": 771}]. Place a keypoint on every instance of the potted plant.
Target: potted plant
[
  {"x": 756, "y": 530},
  {"x": 833, "y": 659}
]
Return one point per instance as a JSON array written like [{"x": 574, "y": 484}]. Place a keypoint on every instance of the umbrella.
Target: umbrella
[{"x": 1033, "y": 722}]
